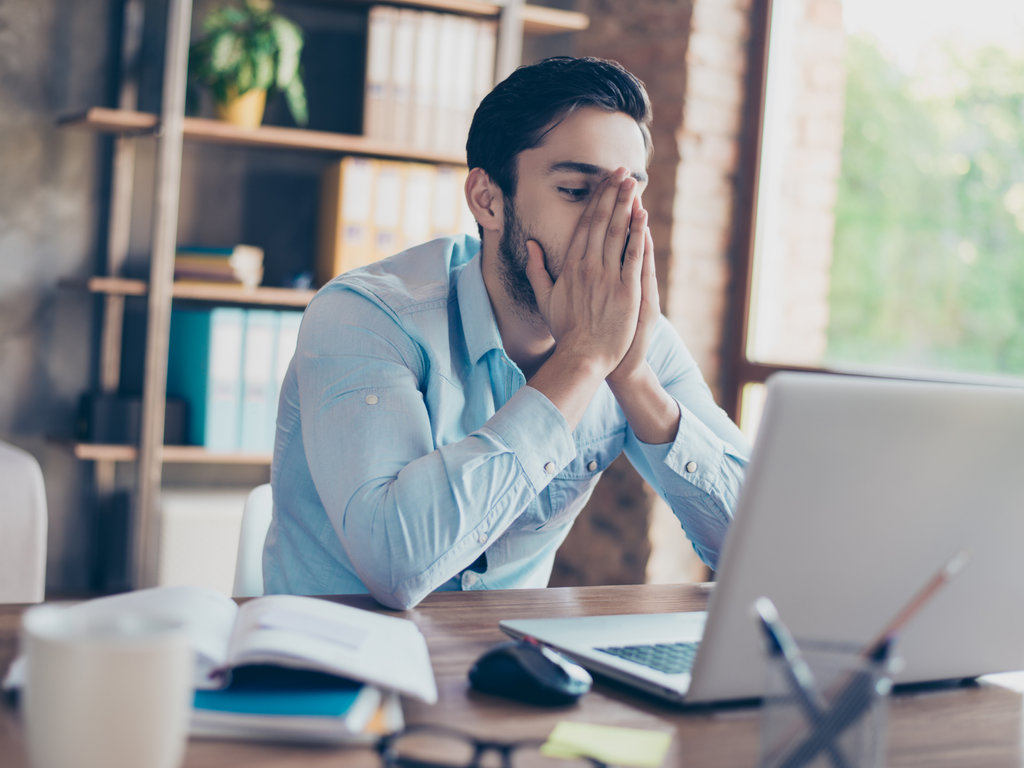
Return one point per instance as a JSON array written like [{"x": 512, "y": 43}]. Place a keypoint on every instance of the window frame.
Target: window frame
[{"x": 739, "y": 370}]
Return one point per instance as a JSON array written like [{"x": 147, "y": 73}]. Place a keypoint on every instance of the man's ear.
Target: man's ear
[{"x": 485, "y": 200}]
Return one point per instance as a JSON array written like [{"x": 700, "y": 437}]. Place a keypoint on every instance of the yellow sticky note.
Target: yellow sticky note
[{"x": 611, "y": 744}]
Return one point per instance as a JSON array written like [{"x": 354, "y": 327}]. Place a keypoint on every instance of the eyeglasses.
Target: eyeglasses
[{"x": 434, "y": 746}]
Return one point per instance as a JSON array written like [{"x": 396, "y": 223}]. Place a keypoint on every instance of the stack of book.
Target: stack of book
[
  {"x": 371, "y": 209},
  {"x": 236, "y": 265},
  {"x": 265, "y": 705},
  {"x": 228, "y": 364},
  {"x": 425, "y": 74},
  {"x": 282, "y": 667}
]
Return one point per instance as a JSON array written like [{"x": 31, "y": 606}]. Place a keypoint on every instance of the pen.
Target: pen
[
  {"x": 781, "y": 643},
  {"x": 878, "y": 648}
]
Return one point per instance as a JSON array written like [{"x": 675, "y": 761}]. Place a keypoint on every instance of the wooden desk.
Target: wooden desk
[{"x": 969, "y": 727}]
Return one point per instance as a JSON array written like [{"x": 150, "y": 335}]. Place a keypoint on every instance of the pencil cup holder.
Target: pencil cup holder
[{"x": 834, "y": 717}]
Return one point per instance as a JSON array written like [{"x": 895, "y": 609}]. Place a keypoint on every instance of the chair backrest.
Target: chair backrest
[
  {"x": 23, "y": 524},
  {"x": 259, "y": 508}
]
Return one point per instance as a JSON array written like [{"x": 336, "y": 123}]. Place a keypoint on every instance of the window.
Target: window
[{"x": 889, "y": 227}]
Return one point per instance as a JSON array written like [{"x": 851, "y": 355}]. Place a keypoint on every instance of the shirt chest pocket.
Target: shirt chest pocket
[{"x": 570, "y": 489}]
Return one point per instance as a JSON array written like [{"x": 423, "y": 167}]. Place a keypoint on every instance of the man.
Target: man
[{"x": 450, "y": 409}]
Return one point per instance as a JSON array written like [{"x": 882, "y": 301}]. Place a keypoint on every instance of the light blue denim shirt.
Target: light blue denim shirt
[{"x": 408, "y": 444}]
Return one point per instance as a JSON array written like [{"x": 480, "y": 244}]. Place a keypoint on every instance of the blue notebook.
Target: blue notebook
[{"x": 279, "y": 704}]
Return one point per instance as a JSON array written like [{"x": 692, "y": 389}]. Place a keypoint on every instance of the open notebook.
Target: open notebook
[{"x": 857, "y": 492}]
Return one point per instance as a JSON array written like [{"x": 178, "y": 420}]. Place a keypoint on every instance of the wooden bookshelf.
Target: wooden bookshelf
[
  {"x": 168, "y": 129},
  {"x": 172, "y": 454},
  {"x": 227, "y": 294}
]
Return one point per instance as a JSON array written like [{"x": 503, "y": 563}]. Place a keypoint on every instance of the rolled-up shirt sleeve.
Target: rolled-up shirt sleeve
[{"x": 700, "y": 472}]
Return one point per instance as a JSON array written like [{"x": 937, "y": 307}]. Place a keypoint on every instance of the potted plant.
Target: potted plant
[{"x": 245, "y": 51}]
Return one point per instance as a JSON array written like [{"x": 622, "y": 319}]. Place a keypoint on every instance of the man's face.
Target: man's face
[{"x": 555, "y": 181}]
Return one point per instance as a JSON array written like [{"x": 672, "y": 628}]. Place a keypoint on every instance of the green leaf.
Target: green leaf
[
  {"x": 295, "y": 95},
  {"x": 288, "y": 38},
  {"x": 226, "y": 53},
  {"x": 263, "y": 71},
  {"x": 227, "y": 17}
]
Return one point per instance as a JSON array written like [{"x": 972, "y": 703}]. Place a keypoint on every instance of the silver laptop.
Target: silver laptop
[{"x": 858, "y": 491}]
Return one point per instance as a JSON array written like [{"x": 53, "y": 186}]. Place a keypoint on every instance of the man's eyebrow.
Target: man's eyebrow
[{"x": 590, "y": 169}]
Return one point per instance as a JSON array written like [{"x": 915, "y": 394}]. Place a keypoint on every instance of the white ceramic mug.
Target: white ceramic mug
[{"x": 104, "y": 692}]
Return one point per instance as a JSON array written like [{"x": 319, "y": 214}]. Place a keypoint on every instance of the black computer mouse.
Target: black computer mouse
[{"x": 527, "y": 671}]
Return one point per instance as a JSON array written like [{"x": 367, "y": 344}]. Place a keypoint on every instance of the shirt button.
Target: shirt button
[
  {"x": 691, "y": 466},
  {"x": 469, "y": 579},
  {"x": 372, "y": 399},
  {"x": 592, "y": 465},
  {"x": 550, "y": 468},
  {"x": 481, "y": 537}
]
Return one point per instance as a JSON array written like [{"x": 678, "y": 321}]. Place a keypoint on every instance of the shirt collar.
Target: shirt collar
[{"x": 479, "y": 326}]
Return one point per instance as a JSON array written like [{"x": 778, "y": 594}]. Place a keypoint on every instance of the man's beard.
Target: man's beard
[{"x": 512, "y": 257}]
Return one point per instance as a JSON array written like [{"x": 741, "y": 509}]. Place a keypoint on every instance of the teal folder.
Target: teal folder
[
  {"x": 259, "y": 365},
  {"x": 204, "y": 367}
]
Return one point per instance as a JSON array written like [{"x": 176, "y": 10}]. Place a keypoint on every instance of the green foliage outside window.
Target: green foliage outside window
[{"x": 928, "y": 261}]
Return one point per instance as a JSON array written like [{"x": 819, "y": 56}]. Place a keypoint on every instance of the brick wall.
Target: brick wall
[
  {"x": 698, "y": 282},
  {"x": 692, "y": 57}
]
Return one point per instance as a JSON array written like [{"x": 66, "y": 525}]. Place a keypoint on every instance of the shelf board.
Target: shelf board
[
  {"x": 229, "y": 294},
  {"x": 290, "y": 297},
  {"x": 205, "y": 130},
  {"x": 540, "y": 20},
  {"x": 537, "y": 19},
  {"x": 172, "y": 454}
]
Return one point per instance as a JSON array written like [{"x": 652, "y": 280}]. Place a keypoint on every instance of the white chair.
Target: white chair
[
  {"x": 259, "y": 508},
  {"x": 23, "y": 524}
]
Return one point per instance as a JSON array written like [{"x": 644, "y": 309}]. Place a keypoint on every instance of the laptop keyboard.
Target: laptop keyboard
[{"x": 670, "y": 658}]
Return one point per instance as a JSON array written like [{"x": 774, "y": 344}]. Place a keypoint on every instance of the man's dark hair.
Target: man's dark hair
[{"x": 531, "y": 101}]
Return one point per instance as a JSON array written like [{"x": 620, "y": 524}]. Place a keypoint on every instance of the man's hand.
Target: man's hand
[
  {"x": 593, "y": 307},
  {"x": 650, "y": 410},
  {"x": 635, "y": 361}
]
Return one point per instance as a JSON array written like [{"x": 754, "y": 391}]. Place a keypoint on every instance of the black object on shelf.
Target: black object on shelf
[{"x": 114, "y": 419}]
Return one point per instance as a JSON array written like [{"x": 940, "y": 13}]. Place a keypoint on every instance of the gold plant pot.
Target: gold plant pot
[{"x": 245, "y": 111}]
